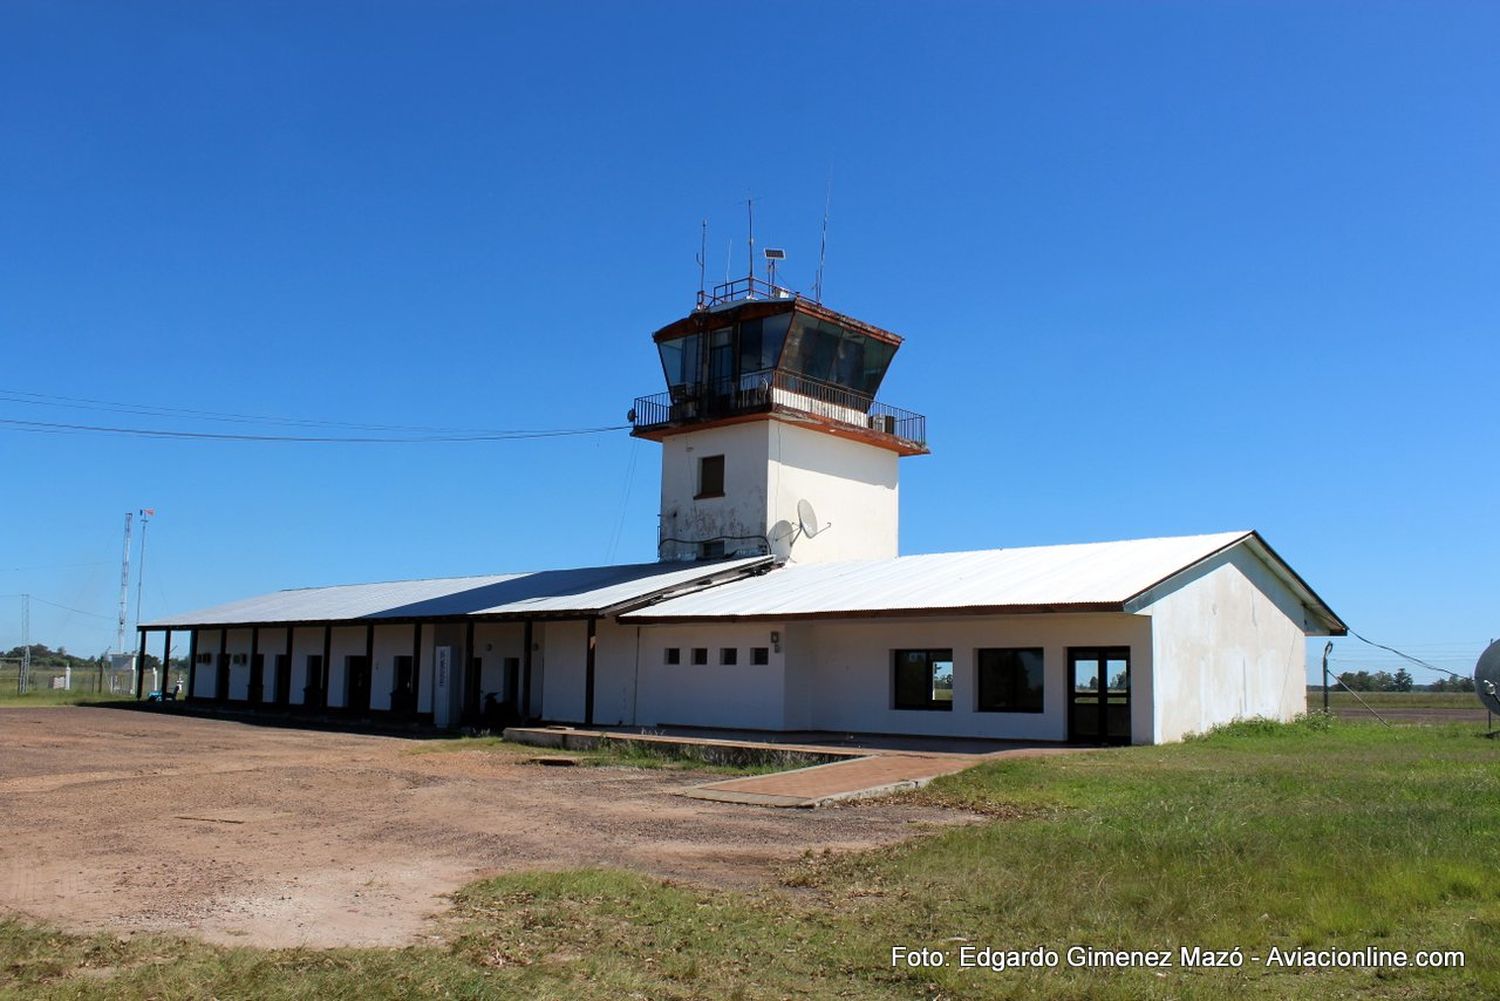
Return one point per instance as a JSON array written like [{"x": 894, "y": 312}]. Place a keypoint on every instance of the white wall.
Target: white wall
[
  {"x": 853, "y": 487},
  {"x": 390, "y": 642},
  {"x": 1228, "y": 644},
  {"x": 565, "y": 644},
  {"x": 742, "y": 695},
  {"x": 347, "y": 641},
  {"x": 770, "y": 465},
  {"x": 203, "y": 674},
  {"x": 272, "y": 644},
  {"x": 742, "y": 509},
  {"x": 306, "y": 642},
  {"x": 845, "y": 673},
  {"x": 237, "y": 644}
]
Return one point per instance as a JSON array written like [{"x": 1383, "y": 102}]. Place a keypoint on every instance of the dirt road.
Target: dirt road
[{"x": 239, "y": 833}]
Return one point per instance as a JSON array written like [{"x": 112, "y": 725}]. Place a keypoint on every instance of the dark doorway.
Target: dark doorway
[
  {"x": 357, "y": 684},
  {"x": 1099, "y": 695},
  {"x": 312, "y": 686},
  {"x": 403, "y": 696},
  {"x": 283, "y": 679},
  {"x": 221, "y": 678},
  {"x": 257, "y": 679}
]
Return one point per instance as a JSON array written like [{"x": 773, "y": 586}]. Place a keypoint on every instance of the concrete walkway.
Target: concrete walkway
[
  {"x": 853, "y": 766},
  {"x": 876, "y": 775}
]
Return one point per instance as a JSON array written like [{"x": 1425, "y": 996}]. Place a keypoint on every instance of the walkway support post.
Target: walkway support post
[
  {"x": 192, "y": 663},
  {"x": 327, "y": 670},
  {"x": 588, "y": 673},
  {"x": 526, "y": 644},
  {"x": 140, "y": 663}
]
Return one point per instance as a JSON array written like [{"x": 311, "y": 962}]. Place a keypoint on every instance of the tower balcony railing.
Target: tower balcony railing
[
  {"x": 744, "y": 289},
  {"x": 763, "y": 392}
]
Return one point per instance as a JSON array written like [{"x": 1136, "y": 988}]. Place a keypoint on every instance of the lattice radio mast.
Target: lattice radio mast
[{"x": 124, "y": 588}]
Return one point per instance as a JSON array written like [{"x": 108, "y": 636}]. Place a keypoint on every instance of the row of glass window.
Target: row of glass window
[
  {"x": 728, "y": 655},
  {"x": 1007, "y": 679}
]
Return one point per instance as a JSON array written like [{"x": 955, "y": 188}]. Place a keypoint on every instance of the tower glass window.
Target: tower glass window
[{"x": 679, "y": 358}]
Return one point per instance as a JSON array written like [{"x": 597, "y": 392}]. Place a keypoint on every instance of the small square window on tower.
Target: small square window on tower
[
  {"x": 700, "y": 655},
  {"x": 710, "y": 476},
  {"x": 674, "y": 655},
  {"x": 729, "y": 655}
]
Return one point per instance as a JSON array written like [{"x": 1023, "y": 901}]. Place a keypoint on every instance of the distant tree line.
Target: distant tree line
[
  {"x": 44, "y": 658},
  {"x": 1401, "y": 681}
]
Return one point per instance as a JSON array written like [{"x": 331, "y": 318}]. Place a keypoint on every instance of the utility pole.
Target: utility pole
[
  {"x": 1327, "y": 649},
  {"x": 23, "y": 679}
]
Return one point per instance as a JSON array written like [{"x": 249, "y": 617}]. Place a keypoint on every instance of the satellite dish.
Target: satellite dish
[
  {"x": 1487, "y": 677},
  {"x": 781, "y": 537},
  {"x": 808, "y": 519}
]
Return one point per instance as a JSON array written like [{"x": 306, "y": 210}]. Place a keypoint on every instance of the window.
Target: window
[
  {"x": 760, "y": 655},
  {"x": 729, "y": 655},
  {"x": 1010, "y": 681},
  {"x": 924, "y": 679},
  {"x": 711, "y": 476},
  {"x": 700, "y": 655},
  {"x": 713, "y": 549},
  {"x": 679, "y": 359},
  {"x": 674, "y": 655}
]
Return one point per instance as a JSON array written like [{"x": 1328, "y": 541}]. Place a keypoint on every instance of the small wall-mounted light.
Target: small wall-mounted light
[{"x": 776, "y": 640}]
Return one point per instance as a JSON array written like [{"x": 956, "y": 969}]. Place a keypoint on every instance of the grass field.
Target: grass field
[
  {"x": 1319, "y": 834},
  {"x": 1393, "y": 700},
  {"x": 49, "y": 697}
]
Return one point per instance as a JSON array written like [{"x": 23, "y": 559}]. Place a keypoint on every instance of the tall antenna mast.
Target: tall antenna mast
[
  {"x": 702, "y": 259},
  {"x": 823, "y": 247},
  {"x": 140, "y": 573},
  {"x": 124, "y": 588},
  {"x": 750, "y": 208}
]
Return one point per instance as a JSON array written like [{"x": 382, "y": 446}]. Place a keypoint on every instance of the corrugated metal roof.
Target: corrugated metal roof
[
  {"x": 1087, "y": 576},
  {"x": 585, "y": 590}
]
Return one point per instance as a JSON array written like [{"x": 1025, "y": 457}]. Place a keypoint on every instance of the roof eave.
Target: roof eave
[
  {"x": 1327, "y": 621},
  {"x": 948, "y": 611}
]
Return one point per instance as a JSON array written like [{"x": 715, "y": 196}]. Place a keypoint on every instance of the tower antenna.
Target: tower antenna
[
  {"x": 147, "y": 514},
  {"x": 124, "y": 588},
  {"x": 702, "y": 259},
  {"x": 823, "y": 246},
  {"x": 750, "y": 209}
]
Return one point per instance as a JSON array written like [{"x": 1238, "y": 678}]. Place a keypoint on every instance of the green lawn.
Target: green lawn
[{"x": 1312, "y": 835}]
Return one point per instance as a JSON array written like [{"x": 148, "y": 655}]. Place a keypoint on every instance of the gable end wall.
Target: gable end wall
[{"x": 1227, "y": 643}]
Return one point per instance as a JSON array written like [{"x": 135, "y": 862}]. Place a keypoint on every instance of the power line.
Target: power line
[
  {"x": 50, "y": 427},
  {"x": 54, "y": 566},
  {"x": 1415, "y": 660},
  {"x": 66, "y": 608},
  {"x": 154, "y": 410}
]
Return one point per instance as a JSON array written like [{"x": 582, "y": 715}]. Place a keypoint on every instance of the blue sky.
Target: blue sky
[{"x": 1162, "y": 269}]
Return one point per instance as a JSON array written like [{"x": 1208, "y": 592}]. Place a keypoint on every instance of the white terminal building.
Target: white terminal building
[{"x": 780, "y": 601}]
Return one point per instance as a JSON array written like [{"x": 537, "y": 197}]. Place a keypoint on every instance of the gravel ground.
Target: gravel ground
[{"x": 239, "y": 833}]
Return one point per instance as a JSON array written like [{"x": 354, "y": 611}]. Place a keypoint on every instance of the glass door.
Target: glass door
[{"x": 1099, "y": 695}]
